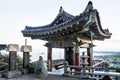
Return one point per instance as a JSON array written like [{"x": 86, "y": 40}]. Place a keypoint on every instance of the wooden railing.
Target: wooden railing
[
  {"x": 92, "y": 75},
  {"x": 107, "y": 74},
  {"x": 99, "y": 63}
]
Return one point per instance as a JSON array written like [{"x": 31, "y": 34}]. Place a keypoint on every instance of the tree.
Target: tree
[{"x": 19, "y": 59}]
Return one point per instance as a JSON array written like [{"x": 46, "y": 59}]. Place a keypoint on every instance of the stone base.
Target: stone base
[
  {"x": 24, "y": 71},
  {"x": 12, "y": 74},
  {"x": 40, "y": 76}
]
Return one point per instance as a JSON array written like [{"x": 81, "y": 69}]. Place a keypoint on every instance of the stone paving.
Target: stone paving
[{"x": 50, "y": 77}]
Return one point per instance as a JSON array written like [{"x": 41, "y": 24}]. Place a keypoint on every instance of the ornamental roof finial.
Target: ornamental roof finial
[
  {"x": 89, "y": 7},
  {"x": 61, "y": 9},
  {"x": 90, "y": 3}
]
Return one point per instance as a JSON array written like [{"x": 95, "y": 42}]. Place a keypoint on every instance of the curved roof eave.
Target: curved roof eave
[
  {"x": 35, "y": 31},
  {"x": 62, "y": 17},
  {"x": 103, "y": 32}
]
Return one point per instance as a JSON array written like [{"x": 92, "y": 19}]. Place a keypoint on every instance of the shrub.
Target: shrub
[{"x": 5, "y": 58}]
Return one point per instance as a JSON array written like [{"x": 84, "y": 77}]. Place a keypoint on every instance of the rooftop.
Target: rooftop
[{"x": 67, "y": 26}]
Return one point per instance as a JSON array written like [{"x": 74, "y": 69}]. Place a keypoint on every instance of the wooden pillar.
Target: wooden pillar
[
  {"x": 65, "y": 55},
  {"x": 89, "y": 54},
  {"x": 77, "y": 55},
  {"x": 26, "y": 55},
  {"x": 0, "y": 58},
  {"x": 49, "y": 58}
]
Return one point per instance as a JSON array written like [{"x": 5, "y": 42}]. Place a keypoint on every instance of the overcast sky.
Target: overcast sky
[{"x": 16, "y": 14}]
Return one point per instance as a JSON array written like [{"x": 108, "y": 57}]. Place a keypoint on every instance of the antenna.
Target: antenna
[{"x": 25, "y": 42}]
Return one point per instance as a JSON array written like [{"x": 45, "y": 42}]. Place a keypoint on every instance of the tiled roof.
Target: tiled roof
[
  {"x": 2, "y": 46},
  {"x": 62, "y": 18},
  {"x": 65, "y": 24}
]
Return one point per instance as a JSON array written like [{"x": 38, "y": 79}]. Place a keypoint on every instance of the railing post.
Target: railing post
[
  {"x": 97, "y": 77},
  {"x": 106, "y": 69},
  {"x": 65, "y": 67}
]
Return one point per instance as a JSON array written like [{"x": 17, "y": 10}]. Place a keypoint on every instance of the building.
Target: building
[{"x": 71, "y": 33}]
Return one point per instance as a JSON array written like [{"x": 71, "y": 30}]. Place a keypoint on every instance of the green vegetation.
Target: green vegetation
[
  {"x": 5, "y": 58},
  {"x": 31, "y": 67}
]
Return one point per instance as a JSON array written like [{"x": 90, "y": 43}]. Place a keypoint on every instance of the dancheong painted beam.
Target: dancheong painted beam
[{"x": 66, "y": 27}]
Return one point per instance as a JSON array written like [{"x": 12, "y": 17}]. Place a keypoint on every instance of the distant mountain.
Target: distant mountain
[
  {"x": 98, "y": 53},
  {"x": 106, "y": 52}
]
